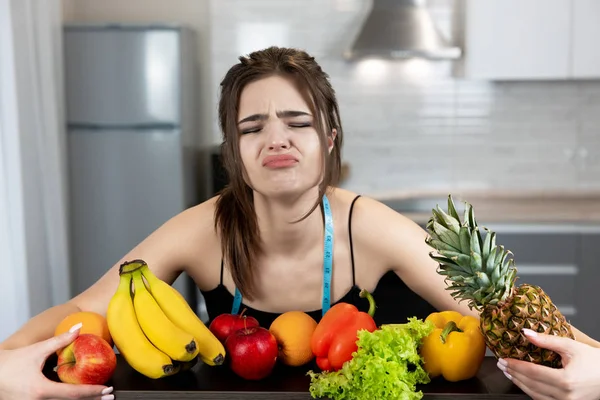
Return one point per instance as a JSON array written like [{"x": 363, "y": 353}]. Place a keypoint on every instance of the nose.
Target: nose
[
  {"x": 278, "y": 145},
  {"x": 277, "y": 139}
]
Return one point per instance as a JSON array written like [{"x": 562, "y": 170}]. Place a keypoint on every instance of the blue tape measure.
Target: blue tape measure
[
  {"x": 237, "y": 300},
  {"x": 327, "y": 256},
  {"x": 327, "y": 264}
]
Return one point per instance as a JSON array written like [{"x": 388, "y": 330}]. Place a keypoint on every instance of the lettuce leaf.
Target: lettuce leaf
[{"x": 386, "y": 365}]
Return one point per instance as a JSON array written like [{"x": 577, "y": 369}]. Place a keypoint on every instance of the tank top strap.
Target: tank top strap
[
  {"x": 350, "y": 238},
  {"x": 222, "y": 266}
]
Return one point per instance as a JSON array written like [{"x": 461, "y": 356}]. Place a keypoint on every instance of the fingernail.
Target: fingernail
[
  {"x": 108, "y": 397},
  {"x": 501, "y": 366},
  {"x": 75, "y": 327},
  {"x": 529, "y": 332},
  {"x": 505, "y": 374},
  {"x": 502, "y": 362},
  {"x": 107, "y": 390}
]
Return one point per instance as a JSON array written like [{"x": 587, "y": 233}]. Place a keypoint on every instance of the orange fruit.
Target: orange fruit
[
  {"x": 91, "y": 323},
  {"x": 293, "y": 331}
]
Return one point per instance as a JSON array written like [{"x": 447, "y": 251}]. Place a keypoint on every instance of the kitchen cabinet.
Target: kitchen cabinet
[
  {"x": 585, "y": 59},
  {"x": 531, "y": 40},
  {"x": 515, "y": 39}
]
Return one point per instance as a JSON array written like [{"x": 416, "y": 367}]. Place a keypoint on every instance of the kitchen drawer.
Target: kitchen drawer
[
  {"x": 561, "y": 288},
  {"x": 539, "y": 248},
  {"x": 588, "y": 282},
  {"x": 562, "y": 249}
]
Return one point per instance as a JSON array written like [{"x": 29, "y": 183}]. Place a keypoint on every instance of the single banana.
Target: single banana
[
  {"x": 129, "y": 339},
  {"x": 164, "y": 334},
  {"x": 177, "y": 309}
]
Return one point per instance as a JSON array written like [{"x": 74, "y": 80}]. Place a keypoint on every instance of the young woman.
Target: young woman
[{"x": 280, "y": 237}]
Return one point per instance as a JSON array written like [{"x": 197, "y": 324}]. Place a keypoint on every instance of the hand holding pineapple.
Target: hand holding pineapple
[{"x": 578, "y": 379}]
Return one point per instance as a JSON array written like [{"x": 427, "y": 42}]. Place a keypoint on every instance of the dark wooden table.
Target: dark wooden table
[{"x": 204, "y": 382}]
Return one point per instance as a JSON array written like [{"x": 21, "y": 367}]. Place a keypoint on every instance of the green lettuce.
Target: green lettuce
[{"x": 386, "y": 365}]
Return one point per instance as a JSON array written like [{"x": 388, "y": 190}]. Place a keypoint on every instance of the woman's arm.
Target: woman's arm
[
  {"x": 583, "y": 338},
  {"x": 168, "y": 250},
  {"x": 39, "y": 328}
]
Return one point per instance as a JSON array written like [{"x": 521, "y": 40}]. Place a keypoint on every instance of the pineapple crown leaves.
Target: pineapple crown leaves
[{"x": 476, "y": 269}]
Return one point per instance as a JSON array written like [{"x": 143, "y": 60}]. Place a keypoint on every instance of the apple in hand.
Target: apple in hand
[
  {"x": 225, "y": 324},
  {"x": 88, "y": 359},
  {"x": 252, "y": 352}
]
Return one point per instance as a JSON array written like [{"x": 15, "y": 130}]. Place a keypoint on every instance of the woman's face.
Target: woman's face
[{"x": 279, "y": 144}]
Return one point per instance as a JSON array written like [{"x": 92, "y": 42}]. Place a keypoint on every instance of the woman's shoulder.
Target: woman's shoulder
[
  {"x": 195, "y": 220},
  {"x": 367, "y": 209},
  {"x": 375, "y": 226},
  {"x": 190, "y": 231}
]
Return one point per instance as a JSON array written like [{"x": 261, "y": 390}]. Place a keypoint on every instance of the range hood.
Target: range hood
[{"x": 400, "y": 29}]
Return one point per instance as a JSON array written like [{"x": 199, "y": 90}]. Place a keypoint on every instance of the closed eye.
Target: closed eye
[
  {"x": 256, "y": 129},
  {"x": 301, "y": 125},
  {"x": 251, "y": 130}
]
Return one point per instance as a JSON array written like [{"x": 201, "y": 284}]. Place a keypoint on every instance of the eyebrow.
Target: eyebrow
[{"x": 280, "y": 114}]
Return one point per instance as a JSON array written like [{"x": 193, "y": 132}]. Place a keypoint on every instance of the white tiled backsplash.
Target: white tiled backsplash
[{"x": 412, "y": 125}]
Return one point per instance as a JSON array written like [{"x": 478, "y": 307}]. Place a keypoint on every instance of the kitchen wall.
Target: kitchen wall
[{"x": 412, "y": 125}]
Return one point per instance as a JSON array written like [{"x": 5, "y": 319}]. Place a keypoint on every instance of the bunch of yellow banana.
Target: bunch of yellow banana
[{"x": 154, "y": 328}]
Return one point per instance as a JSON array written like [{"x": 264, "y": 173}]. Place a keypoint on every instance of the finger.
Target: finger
[
  {"x": 529, "y": 391},
  {"x": 562, "y": 345},
  {"x": 69, "y": 391},
  {"x": 55, "y": 343},
  {"x": 540, "y": 373},
  {"x": 536, "y": 386}
]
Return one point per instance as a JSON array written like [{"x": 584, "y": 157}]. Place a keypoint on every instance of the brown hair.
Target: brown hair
[{"x": 235, "y": 217}]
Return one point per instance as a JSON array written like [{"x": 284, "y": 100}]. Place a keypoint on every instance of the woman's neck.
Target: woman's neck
[{"x": 279, "y": 233}]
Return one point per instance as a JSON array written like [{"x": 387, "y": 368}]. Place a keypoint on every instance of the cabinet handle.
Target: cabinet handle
[
  {"x": 567, "y": 311},
  {"x": 544, "y": 269}
]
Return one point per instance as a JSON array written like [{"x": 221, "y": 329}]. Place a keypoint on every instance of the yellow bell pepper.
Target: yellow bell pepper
[{"x": 456, "y": 347}]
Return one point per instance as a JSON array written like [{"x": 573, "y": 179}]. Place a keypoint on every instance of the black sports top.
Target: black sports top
[{"x": 394, "y": 300}]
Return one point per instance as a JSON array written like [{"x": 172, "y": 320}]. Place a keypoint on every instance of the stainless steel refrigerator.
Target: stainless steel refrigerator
[{"x": 131, "y": 137}]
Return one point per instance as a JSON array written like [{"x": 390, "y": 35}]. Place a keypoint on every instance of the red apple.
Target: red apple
[
  {"x": 252, "y": 352},
  {"x": 225, "y": 324},
  {"x": 88, "y": 359}
]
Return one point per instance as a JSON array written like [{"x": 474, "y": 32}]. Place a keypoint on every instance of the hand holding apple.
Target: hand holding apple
[
  {"x": 225, "y": 324},
  {"x": 21, "y": 375},
  {"x": 89, "y": 359},
  {"x": 252, "y": 352}
]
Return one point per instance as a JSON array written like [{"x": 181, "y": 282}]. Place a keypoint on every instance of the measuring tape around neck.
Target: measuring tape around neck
[
  {"x": 327, "y": 264},
  {"x": 327, "y": 256}
]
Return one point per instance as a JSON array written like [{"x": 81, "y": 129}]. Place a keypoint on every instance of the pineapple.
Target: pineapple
[{"x": 483, "y": 274}]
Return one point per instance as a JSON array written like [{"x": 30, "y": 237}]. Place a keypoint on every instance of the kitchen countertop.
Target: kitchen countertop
[
  {"x": 204, "y": 382},
  {"x": 502, "y": 206}
]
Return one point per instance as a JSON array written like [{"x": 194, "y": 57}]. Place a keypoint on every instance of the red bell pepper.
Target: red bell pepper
[{"x": 334, "y": 339}]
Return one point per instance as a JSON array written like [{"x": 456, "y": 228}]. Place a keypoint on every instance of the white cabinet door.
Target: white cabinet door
[
  {"x": 517, "y": 39},
  {"x": 586, "y": 37}
]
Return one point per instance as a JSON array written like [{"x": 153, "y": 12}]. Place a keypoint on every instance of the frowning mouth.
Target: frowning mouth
[{"x": 279, "y": 161}]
